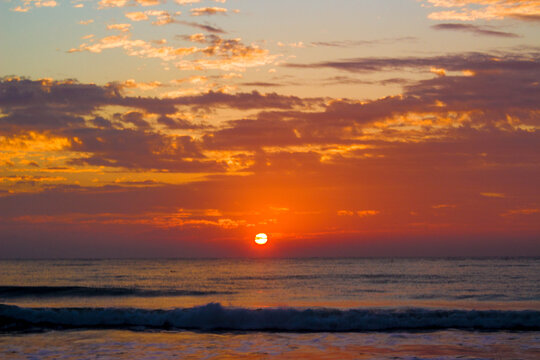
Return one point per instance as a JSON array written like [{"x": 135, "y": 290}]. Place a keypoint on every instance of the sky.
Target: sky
[{"x": 182, "y": 128}]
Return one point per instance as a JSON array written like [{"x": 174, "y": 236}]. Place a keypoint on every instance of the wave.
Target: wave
[
  {"x": 215, "y": 317},
  {"x": 346, "y": 276},
  {"x": 10, "y": 292}
]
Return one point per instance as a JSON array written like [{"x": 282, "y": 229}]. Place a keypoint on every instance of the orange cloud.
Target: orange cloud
[
  {"x": 529, "y": 211},
  {"x": 219, "y": 54},
  {"x": 138, "y": 48},
  {"x": 136, "y": 16},
  {"x": 120, "y": 27},
  {"x": 132, "y": 84},
  {"x": 470, "y": 10},
  {"x": 492, "y": 195},
  {"x": 29, "y": 4},
  {"x": 148, "y": 2},
  {"x": 112, "y": 3},
  {"x": 231, "y": 55},
  {"x": 177, "y": 219},
  {"x": 443, "y": 206},
  {"x": 364, "y": 213},
  {"x": 162, "y": 16},
  {"x": 31, "y": 179},
  {"x": 207, "y": 11},
  {"x": 187, "y": 2}
]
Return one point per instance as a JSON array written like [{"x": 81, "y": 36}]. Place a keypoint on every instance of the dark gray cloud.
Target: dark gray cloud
[
  {"x": 261, "y": 84},
  {"x": 480, "y": 62},
  {"x": 72, "y": 97},
  {"x": 474, "y": 29},
  {"x": 174, "y": 123},
  {"x": 501, "y": 87},
  {"x": 354, "y": 43},
  {"x": 205, "y": 27},
  {"x": 140, "y": 150},
  {"x": 526, "y": 17}
]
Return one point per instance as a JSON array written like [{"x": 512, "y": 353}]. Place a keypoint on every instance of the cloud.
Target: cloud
[
  {"x": 469, "y": 10},
  {"x": 31, "y": 179},
  {"x": 208, "y": 11},
  {"x": 70, "y": 97},
  {"x": 205, "y": 27},
  {"x": 360, "y": 213},
  {"x": 514, "y": 212},
  {"x": 139, "y": 48},
  {"x": 439, "y": 106},
  {"x": 148, "y": 2},
  {"x": 299, "y": 44},
  {"x": 132, "y": 139},
  {"x": 132, "y": 84},
  {"x": 261, "y": 84},
  {"x": 175, "y": 123},
  {"x": 478, "y": 129},
  {"x": 492, "y": 195},
  {"x": 353, "y": 43},
  {"x": 29, "y": 4},
  {"x": 137, "y": 16},
  {"x": 120, "y": 27},
  {"x": 140, "y": 149},
  {"x": 476, "y": 62},
  {"x": 188, "y": 2},
  {"x": 364, "y": 213},
  {"x": 218, "y": 54},
  {"x": 112, "y": 3},
  {"x": 474, "y": 29},
  {"x": 228, "y": 55},
  {"x": 443, "y": 206},
  {"x": 123, "y": 3},
  {"x": 162, "y": 17}
]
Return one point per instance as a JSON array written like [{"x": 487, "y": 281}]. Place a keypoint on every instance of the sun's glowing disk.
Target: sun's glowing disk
[{"x": 261, "y": 239}]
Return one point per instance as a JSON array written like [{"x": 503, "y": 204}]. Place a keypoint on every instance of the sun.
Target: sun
[{"x": 261, "y": 238}]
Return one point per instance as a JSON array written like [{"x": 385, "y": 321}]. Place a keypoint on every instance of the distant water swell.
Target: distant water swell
[
  {"x": 10, "y": 292},
  {"x": 215, "y": 317}
]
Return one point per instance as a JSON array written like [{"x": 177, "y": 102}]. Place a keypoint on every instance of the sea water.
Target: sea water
[{"x": 349, "y": 308}]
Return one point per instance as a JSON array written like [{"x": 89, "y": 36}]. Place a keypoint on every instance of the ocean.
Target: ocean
[{"x": 349, "y": 308}]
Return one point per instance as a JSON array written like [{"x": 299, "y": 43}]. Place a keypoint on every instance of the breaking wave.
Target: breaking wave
[{"x": 215, "y": 317}]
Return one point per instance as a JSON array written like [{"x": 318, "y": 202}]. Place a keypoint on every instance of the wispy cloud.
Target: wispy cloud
[
  {"x": 474, "y": 29},
  {"x": 354, "y": 43},
  {"x": 219, "y": 53},
  {"x": 119, "y": 27},
  {"x": 493, "y": 195},
  {"x": 528, "y": 211},
  {"x": 208, "y": 28}
]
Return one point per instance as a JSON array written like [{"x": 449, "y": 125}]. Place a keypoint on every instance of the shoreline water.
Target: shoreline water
[{"x": 281, "y": 309}]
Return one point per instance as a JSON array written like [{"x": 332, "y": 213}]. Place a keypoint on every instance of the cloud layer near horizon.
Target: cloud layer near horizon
[{"x": 468, "y": 130}]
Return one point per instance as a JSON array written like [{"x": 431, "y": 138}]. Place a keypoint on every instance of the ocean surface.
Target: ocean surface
[{"x": 353, "y": 308}]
